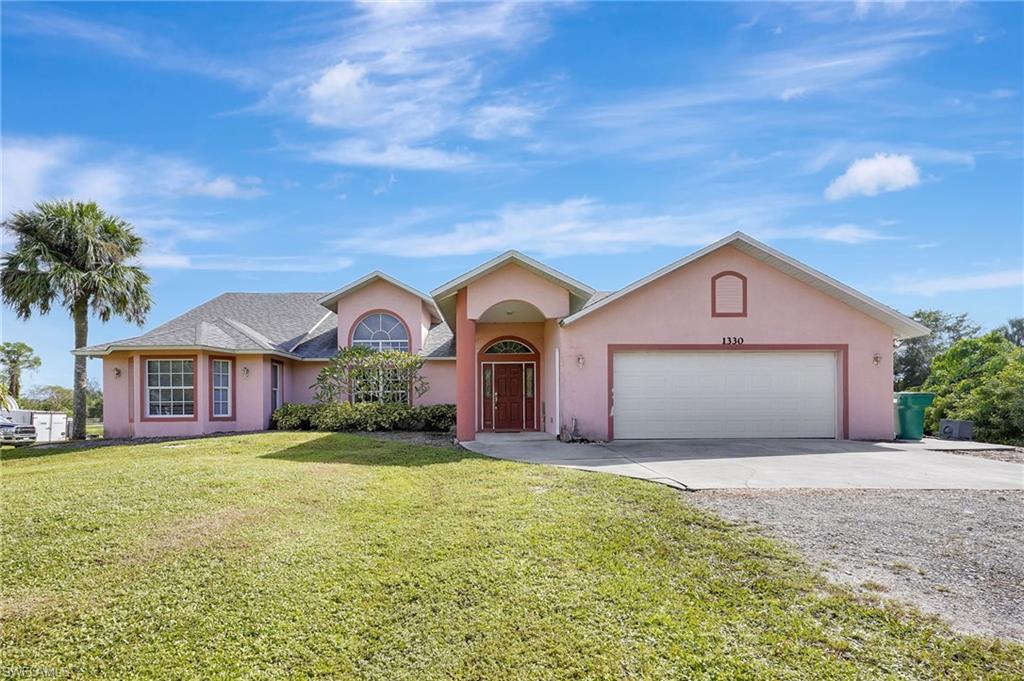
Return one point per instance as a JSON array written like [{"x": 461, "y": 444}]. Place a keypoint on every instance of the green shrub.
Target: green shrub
[
  {"x": 980, "y": 380},
  {"x": 292, "y": 416},
  {"x": 438, "y": 417},
  {"x": 334, "y": 417},
  {"x": 374, "y": 416}
]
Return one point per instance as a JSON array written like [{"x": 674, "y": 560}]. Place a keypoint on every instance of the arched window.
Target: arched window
[
  {"x": 509, "y": 347},
  {"x": 381, "y": 331}
]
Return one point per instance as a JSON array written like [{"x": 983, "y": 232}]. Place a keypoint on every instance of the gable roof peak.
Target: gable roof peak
[
  {"x": 330, "y": 300},
  {"x": 902, "y": 326}
]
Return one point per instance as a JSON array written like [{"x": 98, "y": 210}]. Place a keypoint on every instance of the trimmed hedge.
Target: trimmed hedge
[{"x": 365, "y": 416}]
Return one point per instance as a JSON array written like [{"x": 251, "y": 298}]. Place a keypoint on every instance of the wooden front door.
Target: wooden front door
[{"x": 508, "y": 396}]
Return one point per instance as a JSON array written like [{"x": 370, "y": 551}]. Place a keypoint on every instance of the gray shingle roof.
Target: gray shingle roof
[
  {"x": 291, "y": 323},
  {"x": 247, "y": 322},
  {"x": 440, "y": 342}
]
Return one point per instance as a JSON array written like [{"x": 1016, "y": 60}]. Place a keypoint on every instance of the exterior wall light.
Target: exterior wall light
[
  {"x": 580, "y": 361},
  {"x": 245, "y": 372},
  {"x": 877, "y": 359},
  {"x": 117, "y": 372}
]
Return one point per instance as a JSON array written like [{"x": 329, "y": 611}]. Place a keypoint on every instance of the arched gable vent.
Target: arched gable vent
[{"x": 728, "y": 295}]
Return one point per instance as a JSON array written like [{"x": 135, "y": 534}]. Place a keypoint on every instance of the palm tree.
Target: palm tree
[{"x": 74, "y": 254}]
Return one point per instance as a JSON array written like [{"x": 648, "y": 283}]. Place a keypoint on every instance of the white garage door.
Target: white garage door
[{"x": 724, "y": 394}]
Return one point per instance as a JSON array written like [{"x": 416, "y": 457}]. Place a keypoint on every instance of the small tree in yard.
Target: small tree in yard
[
  {"x": 74, "y": 255},
  {"x": 912, "y": 362},
  {"x": 16, "y": 357},
  {"x": 366, "y": 375}
]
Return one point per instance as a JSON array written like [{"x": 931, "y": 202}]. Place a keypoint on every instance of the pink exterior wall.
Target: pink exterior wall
[
  {"x": 440, "y": 374},
  {"x": 513, "y": 282},
  {"x": 117, "y": 395},
  {"x": 124, "y": 403},
  {"x": 549, "y": 376},
  {"x": 465, "y": 371},
  {"x": 676, "y": 309},
  {"x": 300, "y": 376},
  {"x": 381, "y": 295}
]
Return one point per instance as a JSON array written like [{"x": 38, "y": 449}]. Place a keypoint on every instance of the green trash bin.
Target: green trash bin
[{"x": 910, "y": 414}]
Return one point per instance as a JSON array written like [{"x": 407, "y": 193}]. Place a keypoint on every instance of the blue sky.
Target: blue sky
[{"x": 272, "y": 147}]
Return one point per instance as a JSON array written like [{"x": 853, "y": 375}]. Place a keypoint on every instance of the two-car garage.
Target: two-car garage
[{"x": 725, "y": 393}]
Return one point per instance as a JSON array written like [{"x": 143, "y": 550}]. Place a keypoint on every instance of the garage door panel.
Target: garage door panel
[{"x": 724, "y": 394}]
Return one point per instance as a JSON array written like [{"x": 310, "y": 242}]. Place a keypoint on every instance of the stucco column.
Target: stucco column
[{"x": 465, "y": 370}]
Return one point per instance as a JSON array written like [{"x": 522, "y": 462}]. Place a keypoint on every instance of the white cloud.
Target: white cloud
[
  {"x": 971, "y": 282},
  {"x": 244, "y": 263},
  {"x": 64, "y": 26},
  {"x": 37, "y": 169},
  {"x": 869, "y": 176},
  {"x": 849, "y": 234},
  {"x": 359, "y": 152},
  {"x": 27, "y": 165},
  {"x": 501, "y": 120},
  {"x": 223, "y": 187},
  {"x": 398, "y": 78},
  {"x": 840, "y": 65},
  {"x": 584, "y": 225},
  {"x": 793, "y": 93}
]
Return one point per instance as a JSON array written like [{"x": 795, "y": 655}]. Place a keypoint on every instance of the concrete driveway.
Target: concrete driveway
[{"x": 778, "y": 464}]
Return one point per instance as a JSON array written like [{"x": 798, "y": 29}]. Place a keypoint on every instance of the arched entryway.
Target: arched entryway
[{"x": 509, "y": 382}]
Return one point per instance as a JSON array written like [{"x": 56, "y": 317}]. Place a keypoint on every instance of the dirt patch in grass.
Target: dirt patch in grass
[
  {"x": 27, "y": 604},
  {"x": 429, "y": 439},
  {"x": 200, "y": 531}
]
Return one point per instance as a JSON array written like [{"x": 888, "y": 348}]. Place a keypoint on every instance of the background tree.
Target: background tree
[
  {"x": 1013, "y": 330},
  {"x": 912, "y": 362},
  {"x": 16, "y": 357},
  {"x": 49, "y": 398},
  {"x": 980, "y": 380},
  {"x": 73, "y": 254}
]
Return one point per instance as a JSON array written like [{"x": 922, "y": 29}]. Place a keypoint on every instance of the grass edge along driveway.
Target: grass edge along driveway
[{"x": 306, "y": 554}]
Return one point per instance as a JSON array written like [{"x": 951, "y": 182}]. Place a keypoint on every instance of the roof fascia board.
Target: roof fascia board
[
  {"x": 163, "y": 348},
  {"x": 333, "y": 297},
  {"x": 452, "y": 287}
]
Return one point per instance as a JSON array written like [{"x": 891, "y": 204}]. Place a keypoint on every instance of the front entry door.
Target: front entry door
[{"x": 508, "y": 393}]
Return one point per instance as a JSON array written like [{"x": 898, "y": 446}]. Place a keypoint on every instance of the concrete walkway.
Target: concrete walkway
[{"x": 781, "y": 464}]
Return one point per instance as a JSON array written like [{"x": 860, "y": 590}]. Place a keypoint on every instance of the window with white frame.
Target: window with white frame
[
  {"x": 170, "y": 387},
  {"x": 381, "y": 331},
  {"x": 385, "y": 386},
  {"x": 221, "y": 387},
  {"x": 275, "y": 385}
]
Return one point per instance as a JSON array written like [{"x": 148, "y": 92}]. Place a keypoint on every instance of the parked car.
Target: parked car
[{"x": 17, "y": 434}]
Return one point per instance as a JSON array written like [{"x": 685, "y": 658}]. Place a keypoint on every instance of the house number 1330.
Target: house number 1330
[{"x": 732, "y": 340}]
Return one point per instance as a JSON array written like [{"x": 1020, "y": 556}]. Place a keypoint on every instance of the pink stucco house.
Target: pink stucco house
[{"x": 734, "y": 340}]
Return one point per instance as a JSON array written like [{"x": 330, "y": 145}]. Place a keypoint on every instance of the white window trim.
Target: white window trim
[
  {"x": 381, "y": 343},
  {"x": 229, "y": 388},
  {"x": 276, "y": 394},
  {"x": 147, "y": 414}
]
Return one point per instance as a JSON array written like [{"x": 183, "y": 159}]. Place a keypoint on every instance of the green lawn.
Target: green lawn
[
  {"x": 94, "y": 429},
  {"x": 304, "y": 554}
]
